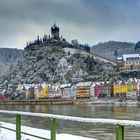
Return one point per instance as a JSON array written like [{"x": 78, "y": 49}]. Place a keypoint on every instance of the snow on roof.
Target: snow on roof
[
  {"x": 65, "y": 85},
  {"x": 27, "y": 86},
  {"x": 95, "y": 83},
  {"x": 84, "y": 84},
  {"x": 43, "y": 85},
  {"x": 130, "y": 56},
  {"x": 119, "y": 58},
  {"x": 100, "y": 83},
  {"x": 54, "y": 87}
]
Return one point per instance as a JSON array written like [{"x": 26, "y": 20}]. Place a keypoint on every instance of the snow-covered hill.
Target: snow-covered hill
[{"x": 54, "y": 64}]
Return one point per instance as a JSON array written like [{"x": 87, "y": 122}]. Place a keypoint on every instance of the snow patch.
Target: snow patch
[
  {"x": 72, "y": 51},
  {"x": 9, "y": 135}
]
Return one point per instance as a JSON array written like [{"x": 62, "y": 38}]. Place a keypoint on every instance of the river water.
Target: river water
[{"x": 101, "y": 132}]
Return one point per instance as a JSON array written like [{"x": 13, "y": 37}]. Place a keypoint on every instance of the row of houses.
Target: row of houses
[{"x": 79, "y": 90}]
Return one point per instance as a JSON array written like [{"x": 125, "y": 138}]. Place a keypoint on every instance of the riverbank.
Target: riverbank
[
  {"x": 70, "y": 101},
  {"x": 114, "y": 102},
  {"x": 37, "y": 102}
]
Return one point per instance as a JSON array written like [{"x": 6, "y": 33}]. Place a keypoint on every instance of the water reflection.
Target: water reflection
[{"x": 119, "y": 110}]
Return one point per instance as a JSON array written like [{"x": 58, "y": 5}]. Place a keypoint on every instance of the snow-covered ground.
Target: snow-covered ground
[{"x": 10, "y": 135}]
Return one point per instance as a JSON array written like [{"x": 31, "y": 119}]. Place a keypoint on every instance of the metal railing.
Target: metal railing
[{"x": 118, "y": 123}]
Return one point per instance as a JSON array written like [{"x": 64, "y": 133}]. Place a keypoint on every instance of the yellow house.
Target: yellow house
[
  {"x": 43, "y": 92},
  {"x": 120, "y": 88}
]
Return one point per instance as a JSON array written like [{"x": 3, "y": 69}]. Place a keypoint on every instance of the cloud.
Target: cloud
[{"x": 89, "y": 21}]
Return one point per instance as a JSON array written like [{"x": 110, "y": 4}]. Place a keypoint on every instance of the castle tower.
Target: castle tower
[{"x": 55, "y": 32}]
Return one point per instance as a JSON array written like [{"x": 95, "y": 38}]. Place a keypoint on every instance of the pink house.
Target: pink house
[{"x": 96, "y": 90}]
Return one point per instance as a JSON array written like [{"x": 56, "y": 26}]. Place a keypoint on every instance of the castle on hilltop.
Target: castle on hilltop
[
  {"x": 55, "y": 32},
  {"x": 56, "y": 39}
]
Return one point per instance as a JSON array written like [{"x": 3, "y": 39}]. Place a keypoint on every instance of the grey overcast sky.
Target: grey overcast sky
[{"x": 89, "y": 21}]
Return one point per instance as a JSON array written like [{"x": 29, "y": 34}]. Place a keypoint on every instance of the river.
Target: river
[{"x": 83, "y": 110}]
